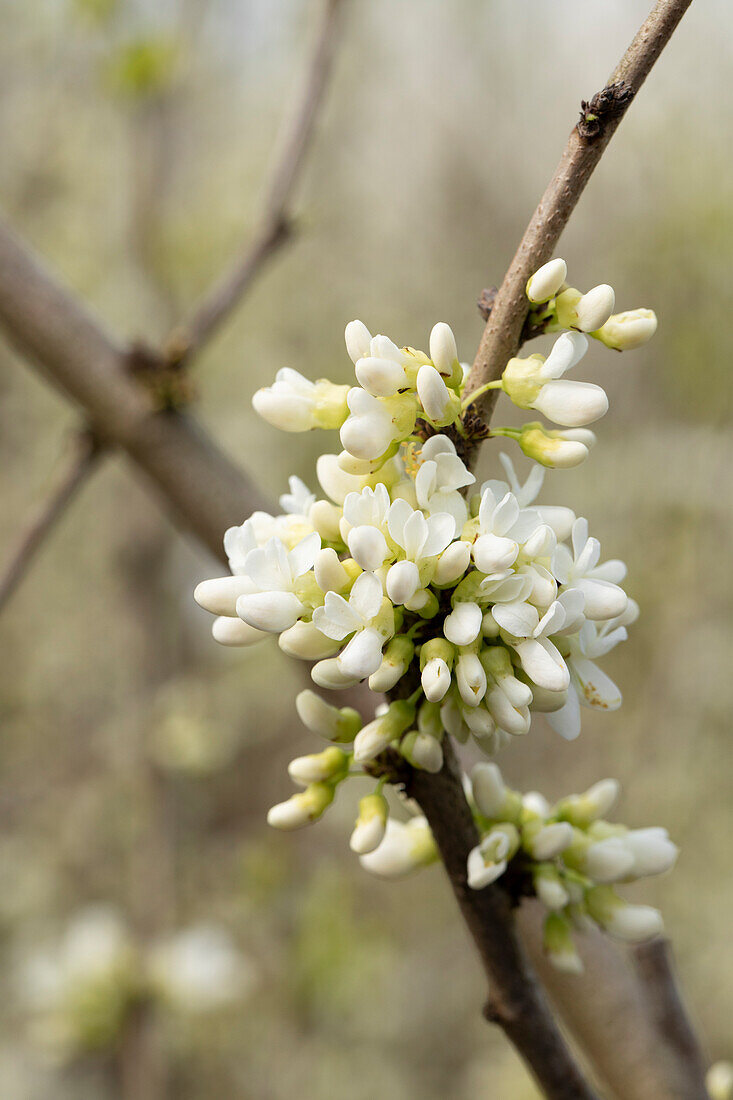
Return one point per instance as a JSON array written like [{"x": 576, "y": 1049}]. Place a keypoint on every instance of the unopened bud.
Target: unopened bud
[
  {"x": 547, "y": 281},
  {"x": 340, "y": 724}
]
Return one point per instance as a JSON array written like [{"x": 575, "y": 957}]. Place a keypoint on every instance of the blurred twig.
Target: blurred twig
[
  {"x": 585, "y": 147},
  {"x": 82, "y": 462},
  {"x": 273, "y": 225}
]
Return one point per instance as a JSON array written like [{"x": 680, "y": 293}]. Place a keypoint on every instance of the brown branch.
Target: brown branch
[
  {"x": 663, "y": 1000},
  {"x": 201, "y": 488},
  {"x": 516, "y": 1002},
  {"x": 83, "y": 461},
  {"x": 585, "y": 147},
  {"x": 274, "y": 221}
]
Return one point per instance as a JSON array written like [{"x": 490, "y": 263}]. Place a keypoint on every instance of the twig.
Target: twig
[
  {"x": 83, "y": 461},
  {"x": 516, "y": 1002},
  {"x": 274, "y": 221},
  {"x": 584, "y": 149},
  {"x": 654, "y": 965}
]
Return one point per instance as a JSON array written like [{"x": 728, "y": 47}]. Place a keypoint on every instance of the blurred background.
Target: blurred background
[{"x": 137, "y": 758}]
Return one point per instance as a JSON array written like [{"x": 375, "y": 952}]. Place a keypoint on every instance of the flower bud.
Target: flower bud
[
  {"x": 403, "y": 581},
  {"x": 380, "y": 377},
  {"x": 572, "y": 404},
  {"x": 719, "y": 1081},
  {"x": 358, "y": 339},
  {"x": 405, "y": 849},
  {"x": 652, "y": 851},
  {"x": 378, "y": 733},
  {"x": 547, "y": 841},
  {"x": 370, "y": 824},
  {"x": 435, "y": 679},
  {"x": 595, "y": 308},
  {"x": 295, "y": 404},
  {"x": 629, "y": 330},
  {"x": 582, "y": 809},
  {"x": 422, "y": 751},
  {"x": 329, "y": 674},
  {"x": 329, "y": 572},
  {"x": 330, "y": 764},
  {"x": 452, "y": 563},
  {"x": 551, "y": 449},
  {"x": 233, "y": 632},
  {"x": 631, "y": 923},
  {"x": 396, "y": 659},
  {"x": 607, "y": 860},
  {"x": 471, "y": 679},
  {"x": 489, "y": 791},
  {"x": 305, "y": 641},
  {"x": 220, "y": 595},
  {"x": 443, "y": 351},
  {"x": 324, "y": 517},
  {"x": 339, "y": 724},
  {"x": 488, "y": 861},
  {"x": 463, "y": 625},
  {"x": 559, "y": 946},
  {"x": 303, "y": 808},
  {"x": 547, "y": 281},
  {"x": 438, "y": 404},
  {"x": 549, "y": 888},
  {"x": 367, "y": 546}
]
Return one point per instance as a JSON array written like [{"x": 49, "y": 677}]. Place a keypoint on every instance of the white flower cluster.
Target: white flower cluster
[
  {"x": 82, "y": 989},
  {"x": 568, "y": 857},
  {"x": 473, "y": 605}
]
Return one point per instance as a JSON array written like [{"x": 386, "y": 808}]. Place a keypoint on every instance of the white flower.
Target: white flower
[
  {"x": 487, "y": 861},
  {"x": 200, "y": 970},
  {"x": 420, "y": 539},
  {"x": 550, "y": 840},
  {"x": 404, "y": 849},
  {"x": 295, "y": 404},
  {"x": 604, "y": 599},
  {"x": 371, "y": 824},
  {"x": 502, "y": 527},
  {"x": 535, "y": 383},
  {"x": 275, "y": 572},
  {"x": 231, "y": 631},
  {"x": 299, "y": 500},
  {"x": 560, "y": 519},
  {"x": 381, "y": 369},
  {"x": 334, "y": 723},
  {"x": 375, "y": 423},
  {"x": 301, "y": 809},
  {"x": 435, "y": 679},
  {"x": 529, "y": 635},
  {"x": 440, "y": 476},
  {"x": 608, "y": 860},
  {"x": 365, "y": 514},
  {"x": 489, "y": 790},
  {"x": 339, "y": 618}
]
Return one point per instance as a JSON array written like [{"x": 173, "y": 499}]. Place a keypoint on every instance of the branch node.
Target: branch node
[
  {"x": 605, "y": 106},
  {"x": 162, "y": 376}
]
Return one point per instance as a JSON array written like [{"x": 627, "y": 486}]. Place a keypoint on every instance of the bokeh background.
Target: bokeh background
[{"x": 137, "y": 759}]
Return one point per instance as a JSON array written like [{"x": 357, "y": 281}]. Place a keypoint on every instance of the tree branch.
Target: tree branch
[
  {"x": 516, "y": 1002},
  {"x": 200, "y": 487},
  {"x": 273, "y": 224},
  {"x": 585, "y": 147},
  {"x": 83, "y": 461}
]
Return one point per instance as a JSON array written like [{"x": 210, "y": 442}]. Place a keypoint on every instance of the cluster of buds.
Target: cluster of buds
[
  {"x": 568, "y": 857},
  {"x": 472, "y": 606},
  {"x": 82, "y": 989}
]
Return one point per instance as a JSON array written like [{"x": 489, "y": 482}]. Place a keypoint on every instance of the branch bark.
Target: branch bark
[
  {"x": 274, "y": 223},
  {"x": 83, "y": 461},
  {"x": 584, "y": 149}
]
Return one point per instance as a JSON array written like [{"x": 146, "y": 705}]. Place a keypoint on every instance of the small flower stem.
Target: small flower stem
[
  {"x": 510, "y": 433},
  {"x": 495, "y": 385}
]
